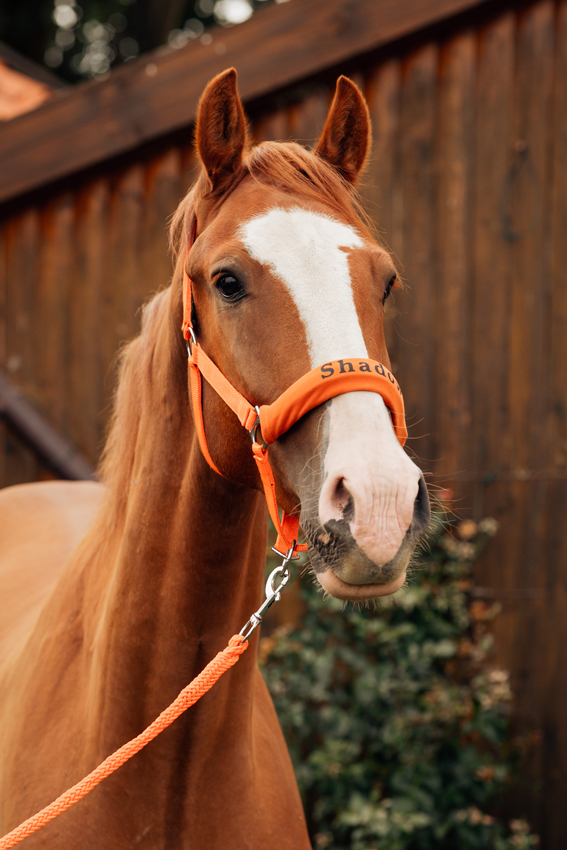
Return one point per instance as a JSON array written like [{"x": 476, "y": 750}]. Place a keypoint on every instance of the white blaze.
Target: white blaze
[{"x": 306, "y": 250}]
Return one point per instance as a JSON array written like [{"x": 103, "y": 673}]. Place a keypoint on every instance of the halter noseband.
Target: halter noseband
[{"x": 321, "y": 384}]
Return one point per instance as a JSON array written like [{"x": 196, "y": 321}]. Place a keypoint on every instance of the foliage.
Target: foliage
[
  {"x": 396, "y": 723},
  {"x": 79, "y": 39}
]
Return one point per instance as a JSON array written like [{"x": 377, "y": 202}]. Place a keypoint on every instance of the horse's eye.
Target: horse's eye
[
  {"x": 388, "y": 289},
  {"x": 229, "y": 287}
]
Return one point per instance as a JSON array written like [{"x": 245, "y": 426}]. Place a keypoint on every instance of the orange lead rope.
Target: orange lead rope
[
  {"x": 222, "y": 662},
  {"x": 188, "y": 696}
]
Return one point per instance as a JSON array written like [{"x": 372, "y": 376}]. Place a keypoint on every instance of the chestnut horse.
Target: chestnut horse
[{"x": 99, "y": 634}]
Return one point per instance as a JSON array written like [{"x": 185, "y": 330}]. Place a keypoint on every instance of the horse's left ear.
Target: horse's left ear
[
  {"x": 221, "y": 130},
  {"x": 346, "y": 137}
]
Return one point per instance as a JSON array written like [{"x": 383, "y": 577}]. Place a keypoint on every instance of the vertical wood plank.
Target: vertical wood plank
[
  {"x": 125, "y": 268},
  {"x": 417, "y": 153},
  {"x": 380, "y": 183},
  {"x": 528, "y": 337},
  {"x": 23, "y": 245},
  {"x": 558, "y": 275},
  {"x": 453, "y": 289},
  {"x": 51, "y": 311},
  {"x": 23, "y": 241},
  {"x": 551, "y": 685},
  {"x": 86, "y": 320},
  {"x": 163, "y": 193},
  {"x": 528, "y": 389},
  {"x": 491, "y": 256},
  {"x": 553, "y": 682}
]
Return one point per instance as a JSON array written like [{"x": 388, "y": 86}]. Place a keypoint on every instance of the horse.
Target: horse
[{"x": 116, "y": 594}]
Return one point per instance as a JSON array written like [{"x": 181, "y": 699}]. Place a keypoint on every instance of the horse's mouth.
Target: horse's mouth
[
  {"x": 335, "y": 586},
  {"x": 345, "y": 571}
]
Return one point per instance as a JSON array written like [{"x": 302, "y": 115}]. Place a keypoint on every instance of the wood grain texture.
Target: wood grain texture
[
  {"x": 453, "y": 284},
  {"x": 51, "y": 306},
  {"x": 491, "y": 255},
  {"x": 528, "y": 358},
  {"x": 22, "y": 250},
  {"x": 558, "y": 272},
  {"x": 121, "y": 298},
  {"x": 553, "y": 541},
  {"x": 380, "y": 181},
  {"x": 380, "y": 184},
  {"x": 159, "y": 93},
  {"x": 527, "y": 200},
  {"x": 417, "y": 153},
  {"x": 164, "y": 191},
  {"x": 86, "y": 369}
]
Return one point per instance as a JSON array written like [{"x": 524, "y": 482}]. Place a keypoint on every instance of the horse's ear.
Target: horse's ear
[
  {"x": 346, "y": 136},
  {"x": 221, "y": 130}
]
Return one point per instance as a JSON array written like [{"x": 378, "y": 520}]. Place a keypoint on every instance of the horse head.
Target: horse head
[{"x": 286, "y": 277}]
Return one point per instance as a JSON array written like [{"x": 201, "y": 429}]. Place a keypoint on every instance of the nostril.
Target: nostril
[
  {"x": 421, "y": 510},
  {"x": 336, "y": 501},
  {"x": 343, "y": 501}
]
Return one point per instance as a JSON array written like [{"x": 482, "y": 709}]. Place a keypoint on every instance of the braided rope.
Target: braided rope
[{"x": 188, "y": 696}]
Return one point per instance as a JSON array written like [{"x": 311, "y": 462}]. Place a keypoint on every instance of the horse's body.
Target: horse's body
[
  {"x": 172, "y": 565},
  {"x": 40, "y": 526}
]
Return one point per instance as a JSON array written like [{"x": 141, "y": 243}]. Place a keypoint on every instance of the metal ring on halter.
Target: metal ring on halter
[
  {"x": 193, "y": 340},
  {"x": 255, "y": 427}
]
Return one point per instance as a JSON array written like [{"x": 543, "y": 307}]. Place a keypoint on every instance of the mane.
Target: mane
[
  {"x": 134, "y": 371},
  {"x": 288, "y": 167}
]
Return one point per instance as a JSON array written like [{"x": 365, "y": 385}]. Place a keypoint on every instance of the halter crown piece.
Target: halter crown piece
[{"x": 321, "y": 384}]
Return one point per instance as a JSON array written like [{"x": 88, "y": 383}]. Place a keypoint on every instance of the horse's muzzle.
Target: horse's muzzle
[{"x": 333, "y": 547}]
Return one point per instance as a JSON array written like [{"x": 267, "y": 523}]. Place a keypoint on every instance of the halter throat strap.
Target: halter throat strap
[{"x": 272, "y": 420}]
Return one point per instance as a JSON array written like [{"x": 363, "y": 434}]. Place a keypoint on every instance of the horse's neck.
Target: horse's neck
[
  {"x": 169, "y": 572},
  {"x": 187, "y": 575},
  {"x": 186, "y": 562}
]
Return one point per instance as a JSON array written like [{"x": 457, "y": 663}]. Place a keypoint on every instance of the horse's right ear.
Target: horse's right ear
[
  {"x": 346, "y": 137},
  {"x": 221, "y": 130}
]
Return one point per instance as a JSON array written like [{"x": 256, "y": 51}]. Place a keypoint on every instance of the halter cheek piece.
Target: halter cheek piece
[{"x": 311, "y": 390}]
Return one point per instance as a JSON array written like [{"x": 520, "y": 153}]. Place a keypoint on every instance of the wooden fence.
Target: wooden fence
[{"x": 468, "y": 184}]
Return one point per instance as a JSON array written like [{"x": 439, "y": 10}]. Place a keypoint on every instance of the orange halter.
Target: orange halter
[{"x": 273, "y": 420}]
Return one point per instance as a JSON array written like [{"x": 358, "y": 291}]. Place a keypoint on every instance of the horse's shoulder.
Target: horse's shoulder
[{"x": 40, "y": 525}]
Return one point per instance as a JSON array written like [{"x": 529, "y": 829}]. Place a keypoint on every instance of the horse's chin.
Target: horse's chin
[{"x": 335, "y": 586}]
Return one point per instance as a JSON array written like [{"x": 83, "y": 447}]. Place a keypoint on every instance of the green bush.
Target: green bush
[{"x": 396, "y": 723}]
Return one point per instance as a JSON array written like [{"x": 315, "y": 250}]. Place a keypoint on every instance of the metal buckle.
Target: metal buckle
[{"x": 272, "y": 594}]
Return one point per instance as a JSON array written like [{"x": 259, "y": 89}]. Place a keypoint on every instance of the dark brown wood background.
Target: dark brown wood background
[{"x": 468, "y": 185}]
